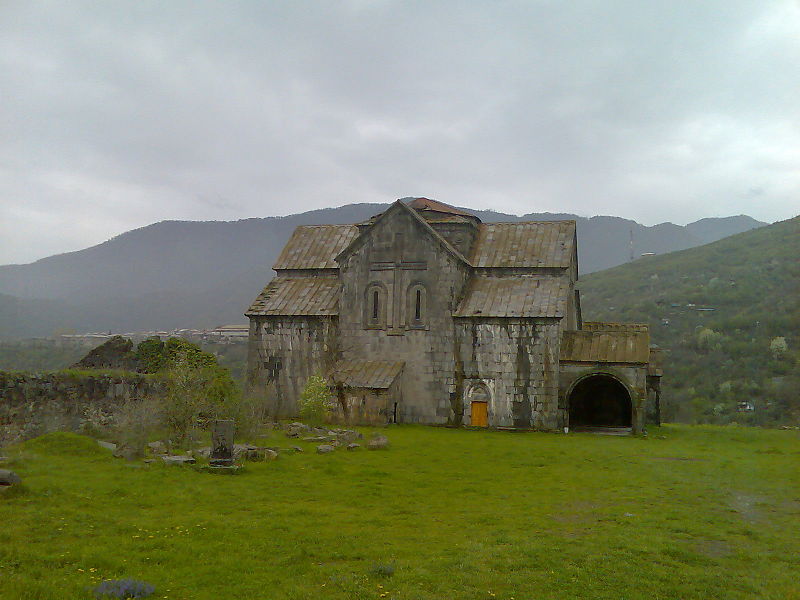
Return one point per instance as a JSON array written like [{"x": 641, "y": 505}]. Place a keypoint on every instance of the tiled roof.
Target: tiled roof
[
  {"x": 524, "y": 244},
  {"x": 366, "y": 373},
  {"x": 605, "y": 346},
  {"x": 425, "y": 226},
  {"x": 428, "y": 204},
  {"x": 315, "y": 246},
  {"x": 298, "y": 296},
  {"x": 514, "y": 296},
  {"x": 598, "y": 326}
]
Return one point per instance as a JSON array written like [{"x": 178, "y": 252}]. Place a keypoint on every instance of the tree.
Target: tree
[{"x": 778, "y": 347}]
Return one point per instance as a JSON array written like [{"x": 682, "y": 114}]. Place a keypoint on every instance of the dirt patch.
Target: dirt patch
[
  {"x": 713, "y": 548},
  {"x": 746, "y": 506},
  {"x": 684, "y": 458}
]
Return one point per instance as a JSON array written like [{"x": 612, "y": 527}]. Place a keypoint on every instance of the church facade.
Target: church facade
[{"x": 424, "y": 314}]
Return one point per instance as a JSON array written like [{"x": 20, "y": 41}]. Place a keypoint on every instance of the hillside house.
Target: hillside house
[{"x": 424, "y": 314}]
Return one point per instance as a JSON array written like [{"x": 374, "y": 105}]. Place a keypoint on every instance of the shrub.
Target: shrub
[
  {"x": 315, "y": 400},
  {"x": 135, "y": 420},
  {"x": 195, "y": 395},
  {"x": 384, "y": 570}
]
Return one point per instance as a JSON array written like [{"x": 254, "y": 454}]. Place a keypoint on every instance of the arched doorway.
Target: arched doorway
[
  {"x": 479, "y": 406},
  {"x": 600, "y": 400}
]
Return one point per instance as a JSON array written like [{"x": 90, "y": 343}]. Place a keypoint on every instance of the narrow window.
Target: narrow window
[
  {"x": 418, "y": 306},
  {"x": 375, "y": 305}
]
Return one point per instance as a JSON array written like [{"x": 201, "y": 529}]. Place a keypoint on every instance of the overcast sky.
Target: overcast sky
[{"x": 114, "y": 115}]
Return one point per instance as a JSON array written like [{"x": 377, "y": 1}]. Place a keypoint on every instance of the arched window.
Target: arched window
[
  {"x": 375, "y": 307},
  {"x": 417, "y": 306}
]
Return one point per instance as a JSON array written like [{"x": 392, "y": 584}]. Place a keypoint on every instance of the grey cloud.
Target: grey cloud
[{"x": 119, "y": 114}]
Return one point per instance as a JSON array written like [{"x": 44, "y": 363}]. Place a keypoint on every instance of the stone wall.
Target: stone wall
[
  {"x": 398, "y": 258},
  {"x": 633, "y": 377},
  {"x": 516, "y": 362},
  {"x": 32, "y": 404},
  {"x": 283, "y": 353}
]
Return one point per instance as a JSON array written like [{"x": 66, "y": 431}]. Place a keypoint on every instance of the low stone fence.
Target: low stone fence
[{"x": 32, "y": 404}]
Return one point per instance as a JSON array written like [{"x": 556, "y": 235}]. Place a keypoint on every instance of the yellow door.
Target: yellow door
[{"x": 480, "y": 414}]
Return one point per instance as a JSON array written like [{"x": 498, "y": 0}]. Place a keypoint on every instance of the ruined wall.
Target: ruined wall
[
  {"x": 32, "y": 404},
  {"x": 517, "y": 362},
  {"x": 283, "y": 353},
  {"x": 633, "y": 377},
  {"x": 364, "y": 406},
  {"x": 396, "y": 257}
]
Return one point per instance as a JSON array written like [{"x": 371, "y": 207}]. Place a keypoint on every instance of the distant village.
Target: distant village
[{"x": 224, "y": 334}]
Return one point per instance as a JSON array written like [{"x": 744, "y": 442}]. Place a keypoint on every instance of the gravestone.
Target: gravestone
[
  {"x": 222, "y": 446},
  {"x": 8, "y": 478}
]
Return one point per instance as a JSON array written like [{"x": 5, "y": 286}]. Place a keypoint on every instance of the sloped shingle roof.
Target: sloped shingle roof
[
  {"x": 524, "y": 244},
  {"x": 315, "y": 246},
  {"x": 605, "y": 346},
  {"x": 515, "y": 296},
  {"x": 366, "y": 373},
  {"x": 298, "y": 296}
]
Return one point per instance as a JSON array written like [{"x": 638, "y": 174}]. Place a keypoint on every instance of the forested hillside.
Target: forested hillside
[
  {"x": 177, "y": 274},
  {"x": 727, "y": 314}
]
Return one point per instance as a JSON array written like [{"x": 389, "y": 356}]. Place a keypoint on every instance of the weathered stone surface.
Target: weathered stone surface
[
  {"x": 347, "y": 435},
  {"x": 178, "y": 460},
  {"x": 222, "y": 446},
  {"x": 379, "y": 442},
  {"x": 270, "y": 454},
  {"x": 34, "y": 404},
  {"x": 107, "y": 445},
  {"x": 353, "y": 446},
  {"x": 297, "y": 449},
  {"x": 469, "y": 347},
  {"x": 325, "y": 449},
  {"x": 8, "y": 477},
  {"x": 157, "y": 447},
  {"x": 128, "y": 451},
  {"x": 316, "y": 438}
]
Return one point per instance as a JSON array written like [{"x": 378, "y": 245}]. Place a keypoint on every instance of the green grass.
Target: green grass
[{"x": 689, "y": 512}]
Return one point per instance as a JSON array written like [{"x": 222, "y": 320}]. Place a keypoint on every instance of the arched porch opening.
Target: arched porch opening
[{"x": 600, "y": 400}]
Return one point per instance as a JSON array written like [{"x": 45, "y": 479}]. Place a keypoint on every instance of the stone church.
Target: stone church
[{"x": 424, "y": 314}]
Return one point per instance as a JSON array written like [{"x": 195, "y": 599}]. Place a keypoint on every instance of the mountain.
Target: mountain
[
  {"x": 727, "y": 315},
  {"x": 200, "y": 274}
]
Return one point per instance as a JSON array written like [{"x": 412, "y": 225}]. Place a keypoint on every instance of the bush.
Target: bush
[
  {"x": 315, "y": 400},
  {"x": 135, "y": 421}
]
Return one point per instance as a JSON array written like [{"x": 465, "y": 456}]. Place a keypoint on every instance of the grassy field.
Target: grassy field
[{"x": 688, "y": 512}]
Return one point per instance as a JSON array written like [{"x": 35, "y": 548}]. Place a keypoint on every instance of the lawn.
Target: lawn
[{"x": 688, "y": 512}]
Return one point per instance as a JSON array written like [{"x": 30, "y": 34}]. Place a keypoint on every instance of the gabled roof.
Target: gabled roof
[
  {"x": 441, "y": 207},
  {"x": 515, "y": 296},
  {"x": 376, "y": 374},
  {"x": 315, "y": 246},
  {"x": 524, "y": 244},
  {"x": 399, "y": 205},
  {"x": 605, "y": 346},
  {"x": 295, "y": 296}
]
